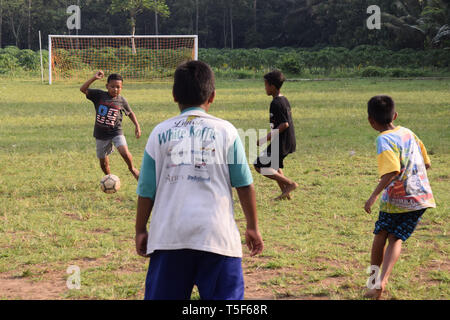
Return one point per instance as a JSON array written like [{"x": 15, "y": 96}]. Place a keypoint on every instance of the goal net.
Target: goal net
[{"x": 137, "y": 57}]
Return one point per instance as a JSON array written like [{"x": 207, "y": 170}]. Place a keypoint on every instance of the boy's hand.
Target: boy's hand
[
  {"x": 261, "y": 141},
  {"x": 369, "y": 204},
  {"x": 137, "y": 132},
  {"x": 254, "y": 241},
  {"x": 141, "y": 244},
  {"x": 100, "y": 74}
]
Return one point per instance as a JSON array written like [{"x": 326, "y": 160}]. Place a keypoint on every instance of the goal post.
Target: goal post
[{"x": 136, "y": 57}]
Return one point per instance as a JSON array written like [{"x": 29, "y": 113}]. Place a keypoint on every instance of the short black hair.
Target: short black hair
[
  {"x": 381, "y": 109},
  {"x": 276, "y": 78},
  {"x": 194, "y": 83},
  {"x": 115, "y": 76}
]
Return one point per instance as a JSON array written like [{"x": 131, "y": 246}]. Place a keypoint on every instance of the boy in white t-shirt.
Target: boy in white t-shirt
[{"x": 191, "y": 162}]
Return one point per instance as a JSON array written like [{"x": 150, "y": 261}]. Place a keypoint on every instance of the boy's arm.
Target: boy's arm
[
  {"x": 253, "y": 238},
  {"x": 283, "y": 126},
  {"x": 144, "y": 209},
  {"x": 146, "y": 191},
  {"x": 84, "y": 88},
  {"x": 384, "y": 182},
  {"x": 137, "y": 130}
]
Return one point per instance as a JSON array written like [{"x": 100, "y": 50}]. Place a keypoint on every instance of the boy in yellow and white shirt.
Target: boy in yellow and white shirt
[{"x": 402, "y": 164}]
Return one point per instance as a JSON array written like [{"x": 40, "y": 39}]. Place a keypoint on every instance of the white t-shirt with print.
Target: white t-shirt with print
[{"x": 191, "y": 162}]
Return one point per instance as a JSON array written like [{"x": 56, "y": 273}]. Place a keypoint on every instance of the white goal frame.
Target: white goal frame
[{"x": 131, "y": 37}]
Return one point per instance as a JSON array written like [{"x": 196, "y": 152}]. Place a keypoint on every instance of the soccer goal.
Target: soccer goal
[{"x": 137, "y": 57}]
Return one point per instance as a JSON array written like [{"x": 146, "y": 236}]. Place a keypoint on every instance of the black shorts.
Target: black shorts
[{"x": 265, "y": 160}]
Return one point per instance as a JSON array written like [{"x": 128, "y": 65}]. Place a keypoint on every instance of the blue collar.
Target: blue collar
[{"x": 193, "y": 109}]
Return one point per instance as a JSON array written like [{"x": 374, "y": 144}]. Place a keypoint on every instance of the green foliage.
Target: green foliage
[
  {"x": 8, "y": 63},
  {"x": 372, "y": 72},
  {"x": 136, "y": 7},
  {"x": 328, "y": 60},
  {"x": 28, "y": 59},
  {"x": 293, "y": 23},
  {"x": 366, "y": 61},
  {"x": 291, "y": 63}
]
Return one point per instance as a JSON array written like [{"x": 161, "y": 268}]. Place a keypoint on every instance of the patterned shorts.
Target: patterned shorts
[{"x": 401, "y": 225}]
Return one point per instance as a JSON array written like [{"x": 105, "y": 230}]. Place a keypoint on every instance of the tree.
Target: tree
[
  {"x": 405, "y": 23},
  {"x": 1, "y": 22},
  {"x": 136, "y": 7},
  {"x": 436, "y": 18},
  {"x": 15, "y": 17},
  {"x": 29, "y": 24}
]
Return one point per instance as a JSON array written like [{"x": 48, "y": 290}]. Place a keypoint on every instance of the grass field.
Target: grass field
[{"x": 317, "y": 246}]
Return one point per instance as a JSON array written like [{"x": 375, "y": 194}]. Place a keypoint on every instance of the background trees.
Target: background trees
[{"x": 238, "y": 23}]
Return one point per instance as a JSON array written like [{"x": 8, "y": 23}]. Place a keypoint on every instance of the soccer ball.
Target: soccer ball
[{"x": 110, "y": 183}]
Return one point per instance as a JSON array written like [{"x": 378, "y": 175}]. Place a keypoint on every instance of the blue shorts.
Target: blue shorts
[
  {"x": 401, "y": 225},
  {"x": 172, "y": 275}
]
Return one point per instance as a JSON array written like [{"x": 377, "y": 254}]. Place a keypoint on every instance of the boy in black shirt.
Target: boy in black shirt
[
  {"x": 108, "y": 123},
  {"x": 270, "y": 163}
]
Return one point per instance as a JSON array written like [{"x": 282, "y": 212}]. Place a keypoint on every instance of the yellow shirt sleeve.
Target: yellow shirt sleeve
[
  {"x": 425, "y": 156},
  {"x": 388, "y": 162}
]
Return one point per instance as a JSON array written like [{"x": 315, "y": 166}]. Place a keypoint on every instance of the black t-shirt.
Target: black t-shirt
[
  {"x": 108, "y": 120},
  {"x": 280, "y": 112}
]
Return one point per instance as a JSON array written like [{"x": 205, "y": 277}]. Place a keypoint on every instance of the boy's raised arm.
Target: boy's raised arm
[
  {"x": 253, "y": 238},
  {"x": 98, "y": 75}
]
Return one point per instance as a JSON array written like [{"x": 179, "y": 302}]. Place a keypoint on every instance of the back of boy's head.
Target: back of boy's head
[
  {"x": 194, "y": 83},
  {"x": 114, "y": 76},
  {"x": 275, "y": 78},
  {"x": 381, "y": 109}
]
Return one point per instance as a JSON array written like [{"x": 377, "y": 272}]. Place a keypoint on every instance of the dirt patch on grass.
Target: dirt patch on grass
[
  {"x": 51, "y": 286},
  {"x": 48, "y": 282}
]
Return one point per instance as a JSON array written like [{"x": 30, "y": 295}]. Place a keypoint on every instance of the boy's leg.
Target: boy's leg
[
  {"x": 126, "y": 155},
  {"x": 280, "y": 179},
  {"x": 219, "y": 277},
  {"x": 284, "y": 182},
  {"x": 104, "y": 164},
  {"x": 122, "y": 147},
  {"x": 283, "y": 186},
  {"x": 104, "y": 149},
  {"x": 378, "y": 248},
  {"x": 391, "y": 256},
  {"x": 170, "y": 275},
  {"x": 376, "y": 258}
]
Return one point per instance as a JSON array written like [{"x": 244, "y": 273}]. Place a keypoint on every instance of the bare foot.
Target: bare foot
[
  {"x": 374, "y": 294},
  {"x": 287, "y": 191}
]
